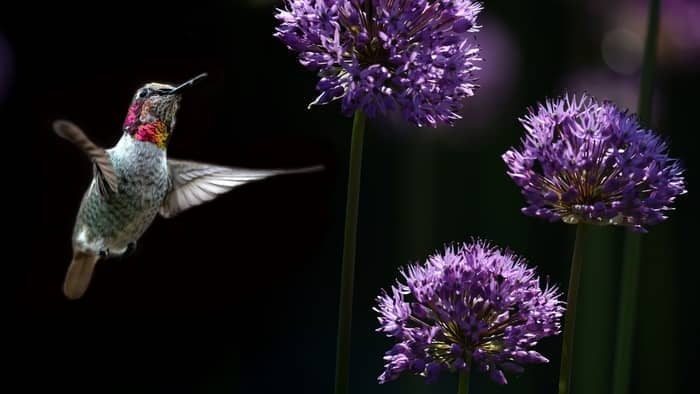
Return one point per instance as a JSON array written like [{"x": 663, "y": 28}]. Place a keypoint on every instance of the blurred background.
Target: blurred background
[{"x": 240, "y": 295}]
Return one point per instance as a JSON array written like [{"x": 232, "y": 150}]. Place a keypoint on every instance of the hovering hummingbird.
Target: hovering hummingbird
[{"x": 134, "y": 181}]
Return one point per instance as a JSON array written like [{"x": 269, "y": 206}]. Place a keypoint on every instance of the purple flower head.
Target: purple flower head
[
  {"x": 416, "y": 56},
  {"x": 472, "y": 306},
  {"x": 587, "y": 161}
]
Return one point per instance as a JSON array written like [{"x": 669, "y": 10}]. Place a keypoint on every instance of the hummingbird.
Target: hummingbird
[{"x": 135, "y": 181}]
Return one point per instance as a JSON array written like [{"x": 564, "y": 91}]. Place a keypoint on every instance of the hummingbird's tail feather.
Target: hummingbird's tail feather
[{"x": 79, "y": 274}]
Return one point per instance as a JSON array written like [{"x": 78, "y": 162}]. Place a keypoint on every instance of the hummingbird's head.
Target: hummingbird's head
[{"x": 151, "y": 116}]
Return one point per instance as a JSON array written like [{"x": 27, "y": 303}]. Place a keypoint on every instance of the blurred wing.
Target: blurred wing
[
  {"x": 193, "y": 183},
  {"x": 103, "y": 170}
]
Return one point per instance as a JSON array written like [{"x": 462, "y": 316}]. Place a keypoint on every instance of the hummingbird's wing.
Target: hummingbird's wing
[
  {"x": 193, "y": 183},
  {"x": 103, "y": 169}
]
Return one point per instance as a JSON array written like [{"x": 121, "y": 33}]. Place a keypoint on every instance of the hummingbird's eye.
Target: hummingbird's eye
[{"x": 142, "y": 93}]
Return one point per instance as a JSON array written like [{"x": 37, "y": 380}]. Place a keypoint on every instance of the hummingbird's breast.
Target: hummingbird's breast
[{"x": 112, "y": 221}]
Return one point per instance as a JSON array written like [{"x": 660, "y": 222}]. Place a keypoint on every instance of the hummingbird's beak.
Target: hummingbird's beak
[{"x": 187, "y": 84}]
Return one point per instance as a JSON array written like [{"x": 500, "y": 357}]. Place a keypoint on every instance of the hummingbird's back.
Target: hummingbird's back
[{"x": 110, "y": 221}]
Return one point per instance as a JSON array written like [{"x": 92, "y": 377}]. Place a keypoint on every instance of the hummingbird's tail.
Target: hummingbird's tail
[{"x": 79, "y": 274}]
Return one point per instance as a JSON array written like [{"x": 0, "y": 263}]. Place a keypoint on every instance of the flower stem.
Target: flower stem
[
  {"x": 342, "y": 366},
  {"x": 463, "y": 387},
  {"x": 567, "y": 350},
  {"x": 646, "y": 88},
  {"x": 627, "y": 312}
]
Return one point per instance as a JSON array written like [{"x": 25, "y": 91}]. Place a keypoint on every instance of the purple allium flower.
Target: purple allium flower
[
  {"x": 416, "y": 56},
  {"x": 587, "y": 161},
  {"x": 473, "y": 305}
]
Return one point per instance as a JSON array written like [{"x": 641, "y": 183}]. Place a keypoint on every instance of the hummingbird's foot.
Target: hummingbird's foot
[{"x": 130, "y": 248}]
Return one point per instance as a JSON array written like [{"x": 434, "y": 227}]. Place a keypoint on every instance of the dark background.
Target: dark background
[{"x": 240, "y": 295}]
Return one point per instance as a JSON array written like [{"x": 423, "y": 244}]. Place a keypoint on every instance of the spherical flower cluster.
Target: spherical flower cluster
[
  {"x": 416, "y": 56},
  {"x": 588, "y": 161},
  {"x": 473, "y": 305}
]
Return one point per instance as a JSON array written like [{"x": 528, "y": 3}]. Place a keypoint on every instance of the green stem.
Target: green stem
[
  {"x": 463, "y": 387},
  {"x": 567, "y": 350},
  {"x": 342, "y": 366},
  {"x": 646, "y": 88},
  {"x": 627, "y": 312}
]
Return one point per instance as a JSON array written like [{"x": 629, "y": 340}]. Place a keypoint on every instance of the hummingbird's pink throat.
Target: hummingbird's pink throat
[
  {"x": 132, "y": 117},
  {"x": 155, "y": 132}
]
